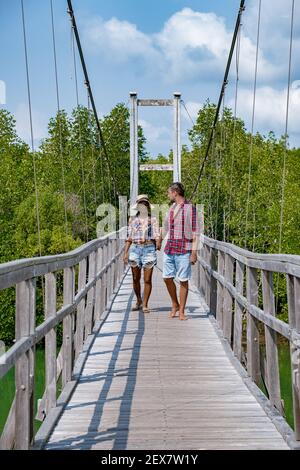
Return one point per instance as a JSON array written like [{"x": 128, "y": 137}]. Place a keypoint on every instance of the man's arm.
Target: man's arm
[{"x": 195, "y": 231}]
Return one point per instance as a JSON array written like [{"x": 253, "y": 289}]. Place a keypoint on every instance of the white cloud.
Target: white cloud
[
  {"x": 270, "y": 110},
  {"x": 191, "y": 45},
  {"x": 156, "y": 132}
]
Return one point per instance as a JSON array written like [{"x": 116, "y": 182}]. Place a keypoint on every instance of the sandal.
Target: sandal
[{"x": 146, "y": 309}]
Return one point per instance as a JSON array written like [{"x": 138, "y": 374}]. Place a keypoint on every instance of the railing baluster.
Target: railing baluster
[
  {"x": 221, "y": 265},
  {"x": 98, "y": 289},
  {"x": 67, "y": 327},
  {"x": 90, "y": 296},
  {"x": 273, "y": 382},
  {"x": 81, "y": 308},
  {"x": 24, "y": 372},
  {"x": 227, "y": 305},
  {"x": 293, "y": 291},
  {"x": 50, "y": 343},
  {"x": 253, "y": 362},
  {"x": 238, "y": 312}
]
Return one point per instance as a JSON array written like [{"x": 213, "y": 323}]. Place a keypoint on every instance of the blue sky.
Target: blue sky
[{"x": 154, "y": 48}]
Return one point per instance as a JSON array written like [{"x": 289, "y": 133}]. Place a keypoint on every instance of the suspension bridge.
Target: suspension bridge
[{"x": 123, "y": 379}]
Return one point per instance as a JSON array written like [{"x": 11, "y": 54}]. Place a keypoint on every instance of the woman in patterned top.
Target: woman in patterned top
[{"x": 140, "y": 249}]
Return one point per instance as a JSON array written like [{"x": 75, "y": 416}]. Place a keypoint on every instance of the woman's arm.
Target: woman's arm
[{"x": 126, "y": 250}]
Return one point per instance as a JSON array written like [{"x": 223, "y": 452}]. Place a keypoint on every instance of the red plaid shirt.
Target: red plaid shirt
[{"x": 181, "y": 228}]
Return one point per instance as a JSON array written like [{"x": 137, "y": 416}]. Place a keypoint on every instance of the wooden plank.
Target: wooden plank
[
  {"x": 293, "y": 292},
  {"x": 238, "y": 312},
  {"x": 162, "y": 102},
  {"x": 273, "y": 381},
  {"x": 50, "y": 344},
  {"x": 25, "y": 297},
  {"x": 67, "y": 327},
  {"x": 253, "y": 361},
  {"x": 227, "y": 298},
  {"x": 220, "y": 289},
  {"x": 145, "y": 384}
]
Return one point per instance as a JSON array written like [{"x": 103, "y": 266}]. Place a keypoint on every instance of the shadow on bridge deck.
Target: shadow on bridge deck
[{"x": 154, "y": 383}]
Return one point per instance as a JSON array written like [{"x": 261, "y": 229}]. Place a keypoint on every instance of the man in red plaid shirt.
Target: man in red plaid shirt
[{"x": 182, "y": 227}]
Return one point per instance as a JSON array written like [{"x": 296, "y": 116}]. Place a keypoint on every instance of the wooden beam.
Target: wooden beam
[
  {"x": 155, "y": 102},
  {"x": 156, "y": 167}
]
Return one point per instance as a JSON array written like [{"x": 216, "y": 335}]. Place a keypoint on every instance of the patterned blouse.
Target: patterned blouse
[{"x": 141, "y": 229}]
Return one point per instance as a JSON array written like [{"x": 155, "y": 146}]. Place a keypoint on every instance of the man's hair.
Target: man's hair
[{"x": 178, "y": 188}]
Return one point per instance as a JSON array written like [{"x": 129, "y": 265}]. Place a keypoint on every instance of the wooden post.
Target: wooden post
[
  {"x": 177, "y": 145},
  {"x": 202, "y": 275},
  {"x": 80, "y": 308},
  {"x": 98, "y": 289},
  {"x": 67, "y": 327},
  {"x": 227, "y": 306},
  {"x": 213, "y": 283},
  {"x": 24, "y": 371},
  {"x": 50, "y": 343},
  {"x": 134, "y": 165},
  {"x": 253, "y": 361},
  {"x": 272, "y": 376},
  {"x": 220, "y": 289},
  {"x": 207, "y": 256},
  {"x": 293, "y": 290},
  {"x": 238, "y": 311},
  {"x": 90, "y": 296},
  {"x": 104, "y": 280}
]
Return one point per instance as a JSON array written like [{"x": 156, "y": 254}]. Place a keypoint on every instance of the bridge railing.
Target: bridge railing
[
  {"x": 90, "y": 274},
  {"x": 238, "y": 287}
]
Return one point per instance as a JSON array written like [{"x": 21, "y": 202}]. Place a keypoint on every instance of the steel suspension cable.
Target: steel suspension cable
[
  {"x": 59, "y": 120},
  {"x": 87, "y": 83},
  {"x": 225, "y": 80},
  {"x": 237, "y": 61},
  {"x": 252, "y": 121},
  {"x": 31, "y": 128},
  {"x": 80, "y": 139},
  {"x": 285, "y": 141}
]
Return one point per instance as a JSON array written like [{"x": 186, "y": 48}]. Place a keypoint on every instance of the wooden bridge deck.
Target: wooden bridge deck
[{"x": 154, "y": 383}]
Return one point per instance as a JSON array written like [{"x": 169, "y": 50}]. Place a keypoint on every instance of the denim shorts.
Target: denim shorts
[
  {"x": 177, "y": 266},
  {"x": 143, "y": 256}
]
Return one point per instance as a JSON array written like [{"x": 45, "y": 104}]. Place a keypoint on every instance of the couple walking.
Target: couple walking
[{"x": 181, "y": 230}]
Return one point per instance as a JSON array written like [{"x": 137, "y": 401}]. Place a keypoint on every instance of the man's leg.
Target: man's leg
[
  {"x": 173, "y": 294},
  {"x": 136, "y": 276},
  {"x": 183, "y": 294},
  {"x": 147, "y": 286}
]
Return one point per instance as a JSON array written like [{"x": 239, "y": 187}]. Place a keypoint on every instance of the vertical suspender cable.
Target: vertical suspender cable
[
  {"x": 237, "y": 60},
  {"x": 80, "y": 138},
  {"x": 234, "y": 38},
  {"x": 285, "y": 142},
  {"x": 59, "y": 122},
  {"x": 31, "y": 130},
  {"x": 252, "y": 121},
  {"x": 286, "y": 127}
]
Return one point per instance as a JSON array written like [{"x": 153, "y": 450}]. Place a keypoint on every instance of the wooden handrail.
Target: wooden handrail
[
  {"x": 228, "y": 278},
  {"x": 100, "y": 269}
]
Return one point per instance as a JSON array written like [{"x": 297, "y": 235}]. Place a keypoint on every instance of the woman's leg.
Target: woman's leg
[
  {"x": 136, "y": 276},
  {"x": 147, "y": 285}
]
